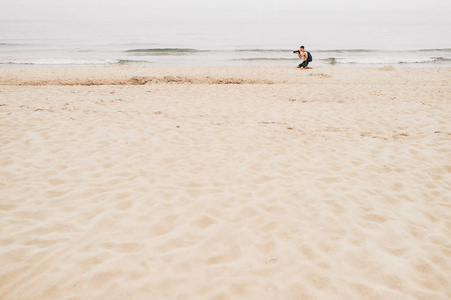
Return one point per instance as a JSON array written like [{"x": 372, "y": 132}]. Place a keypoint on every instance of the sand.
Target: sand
[{"x": 225, "y": 183}]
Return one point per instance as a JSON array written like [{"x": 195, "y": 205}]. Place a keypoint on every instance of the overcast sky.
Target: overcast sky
[{"x": 173, "y": 10}]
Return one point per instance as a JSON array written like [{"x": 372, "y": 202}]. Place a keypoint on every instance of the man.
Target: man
[{"x": 305, "y": 56}]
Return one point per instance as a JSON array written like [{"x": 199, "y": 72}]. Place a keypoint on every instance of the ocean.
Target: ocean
[{"x": 412, "y": 43}]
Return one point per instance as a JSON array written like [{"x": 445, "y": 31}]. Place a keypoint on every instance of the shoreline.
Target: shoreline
[
  {"x": 424, "y": 65},
  {"x": 139, "y": 75}
]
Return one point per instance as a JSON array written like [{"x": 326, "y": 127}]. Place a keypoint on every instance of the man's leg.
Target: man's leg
[{"x": 303, "y": 64}]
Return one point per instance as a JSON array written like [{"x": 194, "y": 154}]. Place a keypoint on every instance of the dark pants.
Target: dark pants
[{"x": 304, "y": 64}]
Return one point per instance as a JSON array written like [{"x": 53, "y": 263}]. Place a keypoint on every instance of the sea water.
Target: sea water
[{"x": 360, "y": 42}]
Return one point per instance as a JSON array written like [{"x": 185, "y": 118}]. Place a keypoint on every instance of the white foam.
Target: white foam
[
  {"x": 59, "y": 61},
  {"x": 384, "y": 60}
]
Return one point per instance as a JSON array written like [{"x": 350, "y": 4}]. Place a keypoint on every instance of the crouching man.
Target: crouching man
[{"x": 305, "y": 56}]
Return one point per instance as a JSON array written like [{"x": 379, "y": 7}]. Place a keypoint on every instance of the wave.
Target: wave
[
  {"x": 275, "y": 60},
  {"x": 330, "y": 60},
  {"x": 191, "y": 50},
  {"x": 384, "y": 60},
  {"x": 330, "y": 50},
  {"x": 164, "y": 51},
  {"x": 2, "y": 44},
  {"x": 73, "y": 62},
  {"x": 130, "y": 61},
  {"x": 53, "y": 61},
  {"x": 313, "y": 50},
  {"x": 264, "y": 59},
  {"x": 262, "y": 50},
  {"x": 380, "y": 50},
  {"x": 442, "y": 59},
  {"x": 435, "y": 50},
  {"x": 179, "y": 51},
  {"x": 82, "y": 50},
  {"x": 347, "y": 51},
  {"x": 360, "y": 60}
]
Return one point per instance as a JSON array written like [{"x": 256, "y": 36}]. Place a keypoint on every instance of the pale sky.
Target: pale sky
[{"x": 173, "y": 10}]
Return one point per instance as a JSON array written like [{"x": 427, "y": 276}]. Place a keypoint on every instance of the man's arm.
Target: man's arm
[{"x": 300, "y": 55}]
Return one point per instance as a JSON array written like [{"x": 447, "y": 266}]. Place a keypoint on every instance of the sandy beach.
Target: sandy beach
[{"x": 138, "y": 182}]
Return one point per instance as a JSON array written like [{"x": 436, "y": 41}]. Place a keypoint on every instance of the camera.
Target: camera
[{"x": 297, "y": 51}]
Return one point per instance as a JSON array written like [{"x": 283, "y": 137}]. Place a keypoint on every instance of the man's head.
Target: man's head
[{"x": 302, "y": 48}]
